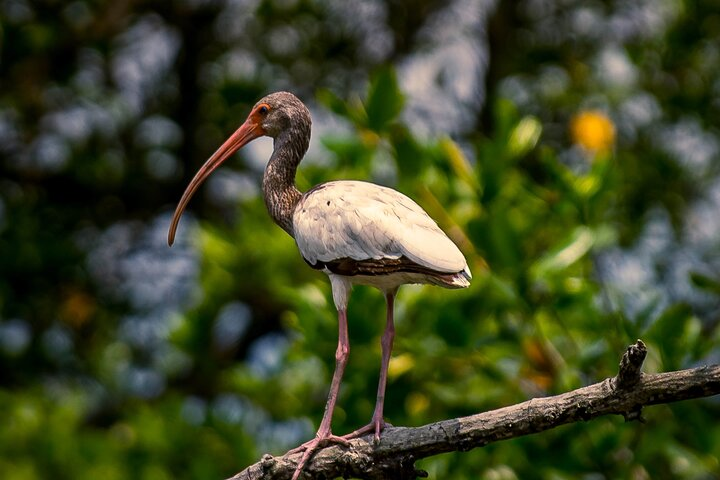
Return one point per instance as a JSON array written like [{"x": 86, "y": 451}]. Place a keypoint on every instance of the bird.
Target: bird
[{"x": 356, "y": 232}]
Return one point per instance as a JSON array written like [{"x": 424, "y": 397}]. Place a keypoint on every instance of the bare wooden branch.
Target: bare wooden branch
[
  {"x": 395, "y": 455},
  {"x": 631, "y": 364}
]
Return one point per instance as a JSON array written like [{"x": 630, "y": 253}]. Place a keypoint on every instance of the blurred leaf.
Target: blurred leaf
[
  {"x": 346, "y": 148},
  {"x": 385, "y": 101},
  {"x": 459, "y": 163},
  {"x": 704, "y": 282},
  {"x": 505, "y": 115},
  {"x": 674, "y": 332},
  {"x": 332, "y": 102},
  {"x": 572, "y": 249},
  {"x": 411, "y": 156},
  {"x": 352, "y": 110},
  {"x": 524, "y": 137},
  {"x": 587, "y": 185}
]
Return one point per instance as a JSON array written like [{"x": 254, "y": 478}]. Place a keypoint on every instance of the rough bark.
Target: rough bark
[{"x": 394, "y": 457}]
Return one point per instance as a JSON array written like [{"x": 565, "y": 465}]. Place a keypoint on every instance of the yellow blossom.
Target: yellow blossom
[{"x": 593, "y": 130}]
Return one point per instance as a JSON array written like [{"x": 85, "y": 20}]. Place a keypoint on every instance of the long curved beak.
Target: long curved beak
[{"x": 248, "y": 131}]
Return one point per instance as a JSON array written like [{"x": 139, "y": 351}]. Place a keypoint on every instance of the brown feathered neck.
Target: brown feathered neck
[{"x": 291, "y": 142}]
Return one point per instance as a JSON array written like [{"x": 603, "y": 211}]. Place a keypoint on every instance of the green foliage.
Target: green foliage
[{"x": 384, "y": 101}]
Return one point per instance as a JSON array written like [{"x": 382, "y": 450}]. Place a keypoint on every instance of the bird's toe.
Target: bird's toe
[{"x": 310, "y": 447}]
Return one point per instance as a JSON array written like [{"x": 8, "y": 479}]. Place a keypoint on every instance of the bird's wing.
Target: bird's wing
[{"x": 360, "y": 220}]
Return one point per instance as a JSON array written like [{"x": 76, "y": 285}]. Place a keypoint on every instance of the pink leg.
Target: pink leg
[
  {"x": 324, "y": 434},
  {"x": 387, "y": 344},
  {"x": 377, "y": 424}
]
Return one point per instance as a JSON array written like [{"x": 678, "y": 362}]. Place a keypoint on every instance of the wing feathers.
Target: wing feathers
[{"x": 360, "y": 221}]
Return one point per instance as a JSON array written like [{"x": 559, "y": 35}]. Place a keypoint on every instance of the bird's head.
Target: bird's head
[
  {"x": 277, "y": 114},
  {"x": 280, "y": 112}
]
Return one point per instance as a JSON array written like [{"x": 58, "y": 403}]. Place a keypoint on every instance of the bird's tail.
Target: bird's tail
[{"x": 454, "y": 280}]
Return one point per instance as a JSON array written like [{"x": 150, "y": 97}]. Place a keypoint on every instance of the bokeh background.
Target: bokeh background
[{"x": 570, "y": 148}]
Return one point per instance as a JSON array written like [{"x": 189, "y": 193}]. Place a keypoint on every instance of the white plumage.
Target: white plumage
[{"x": 361, "y": 220}]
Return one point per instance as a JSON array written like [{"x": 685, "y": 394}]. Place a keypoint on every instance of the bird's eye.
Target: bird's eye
[{"x": 263, "y": 109}]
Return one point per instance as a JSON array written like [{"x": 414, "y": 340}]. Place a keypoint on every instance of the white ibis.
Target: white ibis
[{"x": 355, "y": 232}]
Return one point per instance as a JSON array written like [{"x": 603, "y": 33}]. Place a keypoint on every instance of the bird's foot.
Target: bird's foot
[
  {"x": 376, "y": 425},
  {"x": 309, "y": 448},
  {"x": 322, "y": 439}
]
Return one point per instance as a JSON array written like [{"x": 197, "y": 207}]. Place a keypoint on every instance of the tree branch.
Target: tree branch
[{"x": 395, "y": 455}]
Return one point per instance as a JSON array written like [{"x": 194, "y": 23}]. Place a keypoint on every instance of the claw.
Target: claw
[
  {"x": 376, "y": 425},
  {"x": 322, "y": 440},
  {"x": 311, "y": 447}
]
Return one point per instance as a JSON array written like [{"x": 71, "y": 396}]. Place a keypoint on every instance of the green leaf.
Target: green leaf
[
  {"x": 705, "y": 282},
  {"x": 675, "y": 332},
  {"x": 352, "y": 109},
  {"x": 411, "y": 156},
  {"x": 385, "y": 100},
  {"x": 334, "y": 103},
  {"x": 459, "y": 162},
  {"x": 568, "y": 252},
  {"x": 524, "y": 137},
  {"x": 505, "y": 115}
]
